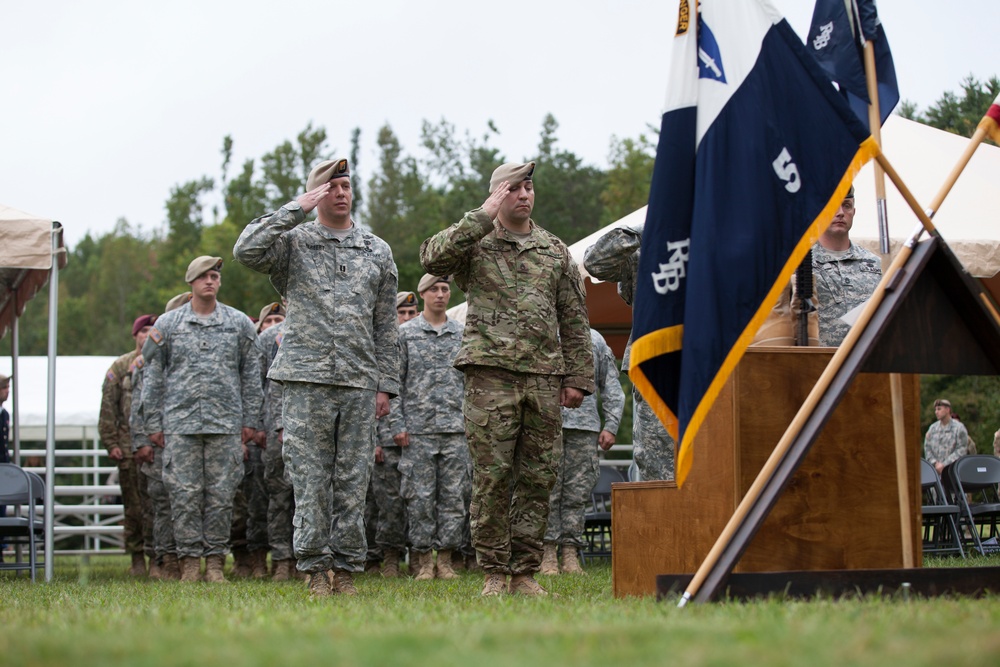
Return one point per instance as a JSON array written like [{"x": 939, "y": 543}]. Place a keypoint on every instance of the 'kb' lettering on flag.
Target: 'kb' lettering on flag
[{"x": 756, "y": 152}]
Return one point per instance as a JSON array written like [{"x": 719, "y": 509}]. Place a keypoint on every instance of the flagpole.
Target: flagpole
[
  {"x": 895, "y": 379},
  {"x": 820, "y": 388}
]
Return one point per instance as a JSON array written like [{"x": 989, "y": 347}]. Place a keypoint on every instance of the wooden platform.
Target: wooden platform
[{"x": 840, "y": 511}]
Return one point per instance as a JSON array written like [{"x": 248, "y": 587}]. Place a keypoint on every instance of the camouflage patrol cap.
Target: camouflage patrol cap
[
  {"x": 142, "y": 321},
  {"x": 201, "y": 265},
  {"x": 512, "y": 172},
  {"x": 428, "y": 280},
  {"x": 272, "y": 309},
  {"x": 405, "y": 299},
  {"x": 327, "y": 170},
  {"x": 177, "y": 301}
]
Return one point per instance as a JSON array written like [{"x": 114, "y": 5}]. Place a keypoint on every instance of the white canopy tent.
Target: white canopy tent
[{"x": 28, "y": 244}]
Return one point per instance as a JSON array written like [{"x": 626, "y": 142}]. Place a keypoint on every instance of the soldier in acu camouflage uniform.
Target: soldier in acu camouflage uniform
[
  {"x": 845, "y": 274},
  {"x": 151, "y": 462},
  {"x": 338, "y": 361},
  {"x": 113, "y": 426},
  {"x": 579, "y": 468},
  {"x": 430, "y": 428},
  {"x": 201, "y": 399},
  {"x": 615, "y": 257},
  {"x": 947, "y": 440},
  {"x": 387, "y": 527},
  {"x": 525, "y": 351}
]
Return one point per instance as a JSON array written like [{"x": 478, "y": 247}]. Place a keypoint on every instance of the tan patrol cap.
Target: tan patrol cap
[
  {"x": 201, "y": 265},
  {"x": 327, "y": 170},
  {"x": 4, "y": 380},
  {"x": 405, "y": 299},
  {"x": 177, "y": 301},
  {"x": 428, "y": 280},
  {"x": 512, "y": 172}
]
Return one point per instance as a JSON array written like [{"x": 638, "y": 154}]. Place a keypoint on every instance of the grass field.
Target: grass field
[{"x": 93, "y": 614}]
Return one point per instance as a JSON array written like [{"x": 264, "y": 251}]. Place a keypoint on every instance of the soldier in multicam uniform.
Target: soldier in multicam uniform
[
  {"x": 338, "y": 361},
  {"x": 579, "y": 468},
  {"x": 385, "y": 513},
  {"x": 947, "y": 440},
  {"x": 201, "y": 402},
  {"x": 151, "y": 463},
  {"x": 525, "y": 351},
  {"x": 113, "y": 426},
  {"x": 845, "y": 274},
  {"x": 431, "y": 430},
  {"x": 615, "y": 257}
]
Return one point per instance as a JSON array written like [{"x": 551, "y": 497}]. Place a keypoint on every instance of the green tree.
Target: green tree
[
  {"x": 287, "y": 167},
  {"x": 355, "y": 162},
  {"x": 959, "y": 114}
]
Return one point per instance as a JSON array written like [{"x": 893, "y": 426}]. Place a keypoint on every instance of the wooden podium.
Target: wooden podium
[{"x": 840, "y": 510}]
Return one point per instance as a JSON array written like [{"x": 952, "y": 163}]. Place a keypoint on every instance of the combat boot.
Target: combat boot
[
  {"x": 213, "y": 569},
  {"x": 525, "y": 584},
  {"x": 472, "y": 564},
  {"x": 457, "y": 560},
  {"x": 190, "y": 569},
  {"x": 138, "y": 568},
  {"x": 570, "y": 560},
  {"x": 390, "y": 564},
  {"x": 444, "y": 568},
  {"x": 155, "y": 571},
  {"x": 171, "y": 567},
  {"x": 550, "y": 561},
  {"x": 297, "y": 573},
  {"x": 495, "y": 585},
  {"x": 242, "y": 564},
  {"x": 424, "y": 565},
  {"x": 258, "y": 560},
  {"x": 343, "y": 583},
  {"x": 282, "y": 570},
  {"x": 319, "y": 585}
]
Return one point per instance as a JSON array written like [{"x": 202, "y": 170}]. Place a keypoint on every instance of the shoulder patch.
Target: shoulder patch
[
  {"x": 111, "y": 376},
  {"x": 156, "y": 336},
  {"x": 278, "y": 339}
]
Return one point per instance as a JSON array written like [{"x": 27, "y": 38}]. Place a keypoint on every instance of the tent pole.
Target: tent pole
[
  {"x": 15, "y": 406},
  {"x": 50, "y": 417}
]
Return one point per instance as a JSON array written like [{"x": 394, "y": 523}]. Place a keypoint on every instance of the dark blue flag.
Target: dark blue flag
[
  {"x": 756, "y": 152},
  {"x": 836, "y": 38}
]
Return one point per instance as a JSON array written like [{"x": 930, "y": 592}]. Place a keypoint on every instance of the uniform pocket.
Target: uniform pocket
[{"x": 475, "y": 414}]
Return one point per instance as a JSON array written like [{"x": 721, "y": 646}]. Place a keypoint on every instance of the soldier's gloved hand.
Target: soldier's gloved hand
[
  {"x": 605, "y": 439},
  {"x": 402, "y": 439},
  {"x": 115, "y": 453},
  {"x": 379, "y": 456}
]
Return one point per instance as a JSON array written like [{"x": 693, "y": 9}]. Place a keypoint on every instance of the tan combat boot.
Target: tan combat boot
[
  {"x": 525, "y": 584},
  {"x": 242, "y": 565},
  {"x": 550, "y": 561},
  {"x": 457, "y": 560},
  {"x": 155, "y": 571},
  {"x": 570, "y": 560},
  {"x": 190, "y": 569},
  {"x": 319, "y": 585},
  {"x": 213, "y": 569},
  {"x": 444, "y": 568},
  {"x": 171, "y": 567},
  {"x": 138, "y": 568},
  {"x": 343, "y": 583},
  {"x": 424, "y": 565},
  {"x": 390, "y": 564},
  {"x": 494, "y": 585},
  {"x": 282, "y": 569},
  {"x": 258, "y": 562}
]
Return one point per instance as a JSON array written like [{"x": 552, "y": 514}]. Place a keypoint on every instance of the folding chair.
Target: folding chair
[
  {"x": 940, "y": 518},
  {"x": 597, "y": 520},
  {"x": 20, "y": 487},
  {"x": 978, "y": 475}
]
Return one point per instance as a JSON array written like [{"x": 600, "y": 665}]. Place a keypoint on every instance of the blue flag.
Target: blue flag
[
  {"x": 837, "y": 35},
  {"x": 756, "y": 152}
]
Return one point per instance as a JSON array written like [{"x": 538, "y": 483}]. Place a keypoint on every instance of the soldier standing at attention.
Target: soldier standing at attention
[
  {"x": 947, "y": 440},
  {"x": 201, "y": 399},
  {"x": 579, "y": 468},
  {"x": 338, "y": 362},
  {"x": 615, "y": 257},
  {"x": 845, "y": 274},
  {"x": 113, "y": 426},
  {"x": 525, "y": 352},
  {"x": 431, "y": 431}
]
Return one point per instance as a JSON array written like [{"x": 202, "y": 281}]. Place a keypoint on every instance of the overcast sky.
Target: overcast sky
[{"x": 106, "y": 105}]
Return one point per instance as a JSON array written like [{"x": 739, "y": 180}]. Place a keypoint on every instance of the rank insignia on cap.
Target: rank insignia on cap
[
  {"x": 341, "y": 167},
  {"x": 157, "y": 337}
]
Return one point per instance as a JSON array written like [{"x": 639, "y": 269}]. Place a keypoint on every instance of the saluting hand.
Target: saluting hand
[
  {"x": 309, "y": 200},
  {"x": 492, "y": 204}
]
